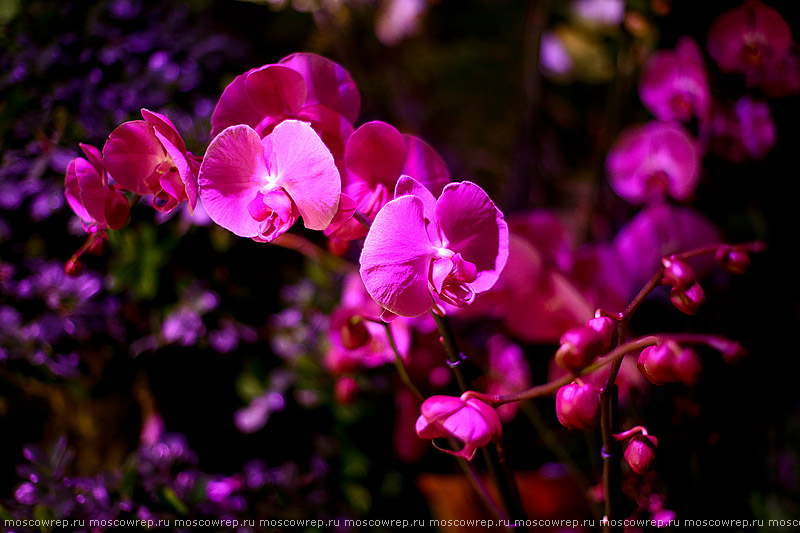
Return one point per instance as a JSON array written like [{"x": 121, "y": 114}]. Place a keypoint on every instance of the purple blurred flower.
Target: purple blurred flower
[
  {"x": 745, "y": 132},
  {"x": 651, "y": 161},
  {"x": 674, "y": 85}
]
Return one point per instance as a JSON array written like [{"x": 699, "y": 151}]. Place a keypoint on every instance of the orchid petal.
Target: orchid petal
[
  {"x": 232, "y": 173},
  {"x": 328, "y": 83},
  {"x": 131, "y": 155},
  {"x": 395, "y": 264},
  {"x": 425, "y": 165},
  {"x": 304, "y": 167},
  {"x": 375, "y": 154},
  {"x": 472, "y": 225},
  {"x": 275, "y": 91}
]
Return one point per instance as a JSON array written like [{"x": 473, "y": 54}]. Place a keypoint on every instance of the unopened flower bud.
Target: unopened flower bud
[
  {"x": 578, "y": 406},
  {"x": 73, "y": 267},
  {"x": 354, "y": 333},
  {"x": 686, "y": 365},
  {"x": 678, "y": 274},
  {"x": 606, "y": 328},
  {"x": 346, "y": 390},
  {"x": 656, "y": 362},
  {"x": 641, "y": 452},
  {"x": 690, "y": 300},
  {"x": 578, "y": 347},
  {"x": 734, "y": 261}
]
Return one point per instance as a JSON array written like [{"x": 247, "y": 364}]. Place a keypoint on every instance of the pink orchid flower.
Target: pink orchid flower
[
  {"x": 301, "y": 86},
  {"x": 258, "y": 188},
  {"x": 650, "y": 161},
  {"x": 468, "y": 420},
  {"x": 749, "y": 38},
  {"x": 98, "y": 204},
  {"x": 149, "y": 157},
  {"x": 421, "y": 249},
  {"x": 375, "y": 157},
  {"x": 674, "y": 86}
]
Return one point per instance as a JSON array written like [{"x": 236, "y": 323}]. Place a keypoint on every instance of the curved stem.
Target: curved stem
[
  {"x": 551, "y": 387},
  {"x": 401, "y": 367},
  {"x": 506, "y": 486}
]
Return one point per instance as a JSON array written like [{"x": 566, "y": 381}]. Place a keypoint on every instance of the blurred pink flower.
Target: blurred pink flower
[
  {"x": 449, "y": 249},
  {"x": 398, "y": 19},
  {"x": 300, "y": 86},
  {"x": 674, "y": 85},
  {"x": 749, "y": 38},
  {"x": 657, "y": 231},
  {"x": 258, "y": 188},
  {"x": 781, "y": 80},
  {"x": 650, "y": 161},
  {"x": 508, "y": 373},
  {"x": 468, "y": 420},
  {"x": 745, "y": 132},
  {"x": 98, "y": 204},
  {"x": 533, "y": 297},
  {"x": 376, "y": 156},
  {"x": 149, "y": 157}
]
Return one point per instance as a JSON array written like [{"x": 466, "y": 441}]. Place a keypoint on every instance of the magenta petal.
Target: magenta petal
[
  {"x": 305, "y": 168},
  {"x": 438, "y": 407},
  {"x": 165, "y": 127},
  {"x": 94, "y": 157},
  {"x": 396, "y": 258},
  {"x": 117, "y": 209},
  {"x": 188, "y": 186},
  {"x": 92, "y": 190},
  {"x": 131, "y": 155},
  {"x": 375, "y": 154},
  {"x": 473, "y": 226},
  {"x": 275, "y": 91},
  {"x": 332, "y": 127},
  {"x": 232, "y": 173},
  {"x": 78, "y": 167},
  {"x": 234, "y": 107},
  {"x": 425, "y": 165},
  {"x": 408, "y": 185},
  {"x": 328, "y": 83}
]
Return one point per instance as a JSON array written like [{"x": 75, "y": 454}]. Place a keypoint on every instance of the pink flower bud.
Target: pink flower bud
[
  {"x": 655, "y": 363},
  {"x": 734, "y": 261},
  {"x": 606, "y": 328},
  {"x": 466, "y": 419},
  {"x": 346, "y": 390},
  {"x": 354, "y": 333},
  {"x": 686, "y": 365},
  {"x": 690, "y": 300},
  {"x": 73, "y": 267},
  {"x": 578, "y": 406},
  {"x": 678, "y": 274},
  {"x": 578, "y": 347},
  {"x": 641, "y": 452}
]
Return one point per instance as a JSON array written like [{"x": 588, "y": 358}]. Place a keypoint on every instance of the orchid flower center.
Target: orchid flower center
[
  {"x": 275, "y": 211},
  {"x": 451, "y": 276}
]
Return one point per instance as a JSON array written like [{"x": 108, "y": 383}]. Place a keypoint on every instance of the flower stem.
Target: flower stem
[
  {"x": 506, "y": 484},
  {"x": 401, "y": 367}
]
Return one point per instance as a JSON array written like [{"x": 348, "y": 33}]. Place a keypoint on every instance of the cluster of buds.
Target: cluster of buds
[
  {"x": 580, "y": 345},
  {"x": 686, "y": 293},
  {"x": 669, "y": 363},
  {"x": 578, "y": 405}
]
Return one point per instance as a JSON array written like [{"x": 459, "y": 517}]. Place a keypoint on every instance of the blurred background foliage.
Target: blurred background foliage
[{"x": 466, "y": 80}]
